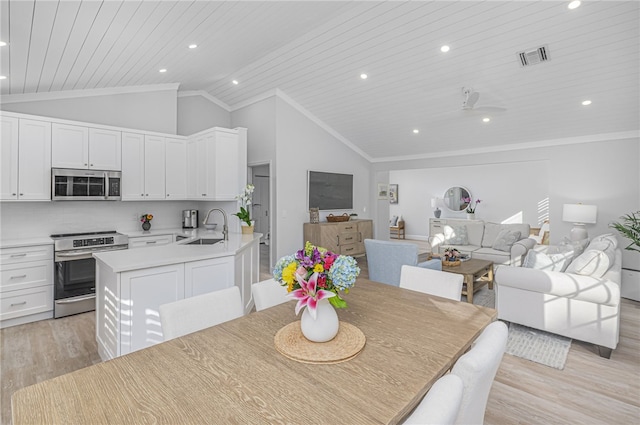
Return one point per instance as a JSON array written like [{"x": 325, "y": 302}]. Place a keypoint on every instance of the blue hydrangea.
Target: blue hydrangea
[
  {"x": 281, "y": 264},
  {"x": 343, "y": 272}
]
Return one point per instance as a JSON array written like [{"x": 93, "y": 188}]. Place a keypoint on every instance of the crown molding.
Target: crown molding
[
  {"x": 255, "y": 99},
  {"x": 207, "y": 96},
  {"x": 634, "y": 134},
  {"x": 70, "y": 94}
]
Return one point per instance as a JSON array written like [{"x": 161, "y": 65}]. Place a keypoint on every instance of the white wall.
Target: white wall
[
  {"x": 505, "y": 197},
  {"x": 603, "y": 173},
  {"x": 151, "y": 111},
  {"x": 303, "y": 145},
  {"x": 38, "y": 219},
  {"x": 196, "y": 113}
]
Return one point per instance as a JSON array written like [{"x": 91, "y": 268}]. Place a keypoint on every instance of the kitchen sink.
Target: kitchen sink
[{"x": 204, "y": 241}]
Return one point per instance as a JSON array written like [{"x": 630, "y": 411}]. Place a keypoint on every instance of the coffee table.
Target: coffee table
[{"x": 477, "y": 273}]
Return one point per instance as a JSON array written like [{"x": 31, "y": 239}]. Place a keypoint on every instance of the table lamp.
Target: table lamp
[
  {"x": 579, "y": 215},
  {"x": 434, "y": 204}
]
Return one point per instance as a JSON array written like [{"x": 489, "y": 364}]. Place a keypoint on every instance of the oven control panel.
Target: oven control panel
[{"x": 79, "y": 243}]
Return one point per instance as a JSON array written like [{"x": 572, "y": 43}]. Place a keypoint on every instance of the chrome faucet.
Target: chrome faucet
[{"x": 225, "y": 227}]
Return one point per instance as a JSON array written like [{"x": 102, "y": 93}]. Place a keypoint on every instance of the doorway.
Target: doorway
[{"x": 260, "y": 175}]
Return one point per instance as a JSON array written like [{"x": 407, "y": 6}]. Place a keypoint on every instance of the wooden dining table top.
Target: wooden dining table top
[{"x": 232, "y": 373}]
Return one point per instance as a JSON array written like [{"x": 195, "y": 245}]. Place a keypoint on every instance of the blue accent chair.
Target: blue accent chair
[{"x": 385, "y": 260}]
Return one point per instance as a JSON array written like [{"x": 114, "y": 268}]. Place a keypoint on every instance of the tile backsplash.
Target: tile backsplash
[{"x": 37, "y": 219}]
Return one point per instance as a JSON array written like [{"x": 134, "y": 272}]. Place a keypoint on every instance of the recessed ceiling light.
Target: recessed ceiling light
[
  {"x": 162, "y": 70},
  {"x": 486, "y": 119},
  {"x": 416, "y": 131},
  {"x": 193, "y": 46},
  {"x": 3, "y": 77},
  {"x": 2, "y": 44},
  {"x": 574, "y": 4},
  {"x": 586, "y": 102},
  {"x": 445, "y": 49},
  {"x": 364, "y": 76},
  {"x": 235, "y": 82}
]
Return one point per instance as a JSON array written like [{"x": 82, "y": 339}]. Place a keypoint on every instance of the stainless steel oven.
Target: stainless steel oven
[
  {"x": 85, "y": 185},
  {"x": 75, "y": 269}
]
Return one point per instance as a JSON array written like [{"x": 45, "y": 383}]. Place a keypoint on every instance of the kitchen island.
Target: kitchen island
[{"x": 132, "y": 284}]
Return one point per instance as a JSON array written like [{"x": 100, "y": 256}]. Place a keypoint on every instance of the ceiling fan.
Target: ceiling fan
[{"x": 471, "y": 97}]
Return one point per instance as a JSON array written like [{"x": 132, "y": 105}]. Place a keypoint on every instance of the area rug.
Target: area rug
[{"x": 538, "y": 346}]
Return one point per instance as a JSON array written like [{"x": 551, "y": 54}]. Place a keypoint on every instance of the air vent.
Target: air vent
[{"x": 532, "y": 57}]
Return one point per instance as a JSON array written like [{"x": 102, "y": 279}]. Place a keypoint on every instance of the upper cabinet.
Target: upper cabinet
[
  {"x": 143, "y": 167},
  {"x": 85, "y": 148},
  {"x": 26, "y": 160},
  {"x": 176, "y": 169}
]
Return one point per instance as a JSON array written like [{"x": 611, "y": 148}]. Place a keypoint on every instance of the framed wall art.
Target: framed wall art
[
  {"x": 393, "y": 193},
  {"x": 383, "y": 191}
]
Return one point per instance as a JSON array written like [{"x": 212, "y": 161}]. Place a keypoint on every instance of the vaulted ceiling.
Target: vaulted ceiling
[{"x": 315, "y": 53}]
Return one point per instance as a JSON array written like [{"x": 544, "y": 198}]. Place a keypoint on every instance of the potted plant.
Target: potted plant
[
  {"x": 630, "y": 229},
  {"x": 244, "y": 215}
]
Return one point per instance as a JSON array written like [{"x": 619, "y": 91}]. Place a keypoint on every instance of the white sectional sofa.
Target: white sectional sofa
[
  {"x": 579, "y": 298},
  {"x": 482, "y": 240}
]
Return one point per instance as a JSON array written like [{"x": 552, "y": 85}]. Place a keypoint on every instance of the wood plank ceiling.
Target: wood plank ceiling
[{"x": 314, "y": 52}]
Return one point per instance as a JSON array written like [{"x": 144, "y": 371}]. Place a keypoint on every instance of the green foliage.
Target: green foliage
[
  {"x": 244, "y": 215},
  {"x": 630, "y": 229},
  {"x": 338, "y": 302}
]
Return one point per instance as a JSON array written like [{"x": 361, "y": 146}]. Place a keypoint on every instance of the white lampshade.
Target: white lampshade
[
  {"x": 434, "y": 202},
  {"x": 579, "y": 213}
]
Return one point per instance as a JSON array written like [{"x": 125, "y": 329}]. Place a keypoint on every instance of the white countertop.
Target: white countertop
[
  {"x": 13, "y": 243},
  {"x": 179, "y": 252}
]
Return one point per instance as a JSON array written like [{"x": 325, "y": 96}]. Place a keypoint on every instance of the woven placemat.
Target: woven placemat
[{"x": 347, "y": 344}]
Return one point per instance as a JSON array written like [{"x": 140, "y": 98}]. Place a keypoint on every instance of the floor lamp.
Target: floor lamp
[{"x": 579, "y": 215}]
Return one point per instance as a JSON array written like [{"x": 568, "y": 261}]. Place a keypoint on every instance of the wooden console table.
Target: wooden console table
[{"x": 477, "y": 273}]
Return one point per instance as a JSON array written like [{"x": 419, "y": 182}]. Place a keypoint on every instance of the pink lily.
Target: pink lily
[{"x": 307, "y": 295}]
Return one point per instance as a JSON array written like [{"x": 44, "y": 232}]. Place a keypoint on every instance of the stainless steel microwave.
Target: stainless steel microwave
[{"x": 85, "y": 185}]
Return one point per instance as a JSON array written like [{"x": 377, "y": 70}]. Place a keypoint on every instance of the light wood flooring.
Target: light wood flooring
[{"x": 590, "y": 389}]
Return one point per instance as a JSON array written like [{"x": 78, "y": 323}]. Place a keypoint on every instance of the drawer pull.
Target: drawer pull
[
  {"x": 15, "y": 304},
  {"x": 151, "y": 242},
  {"x": 349, "y": 238},
  {"x": 24, "y": 254},
  {"x": 349, "y": 249},
  {"x": 18, "y": 277}
]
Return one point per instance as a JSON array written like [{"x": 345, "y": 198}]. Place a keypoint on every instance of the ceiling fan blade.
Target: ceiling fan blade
[{"x": 488, "y": 108}]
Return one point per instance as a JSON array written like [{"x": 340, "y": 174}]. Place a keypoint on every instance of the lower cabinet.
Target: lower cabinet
[
  {"x": 149, "y": 241},
  {"x": 344, "y": 238},
  {"x": 26, "y": 284},
  {"x": 206, "y": 276}
]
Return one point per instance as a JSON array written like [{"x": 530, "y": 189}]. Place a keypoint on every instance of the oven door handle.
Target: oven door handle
[
  {"x": 76, "y": 299},
  {"x": 69, "y": 256}
]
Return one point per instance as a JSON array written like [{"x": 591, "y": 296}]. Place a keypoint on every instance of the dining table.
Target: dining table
[{"x": 232, "y": 373}]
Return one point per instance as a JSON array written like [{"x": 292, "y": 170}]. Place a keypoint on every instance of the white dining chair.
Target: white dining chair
[
  {"x": 268, "y": 293},
  {"x": 433, "y": 282},
  {"x": 195, "y": 313},
  {"x": 477, "y": 369},
  {"x": 441, "y": 404}
]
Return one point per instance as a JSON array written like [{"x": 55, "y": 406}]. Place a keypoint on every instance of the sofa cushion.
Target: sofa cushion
[
  {"x": 475, "y": 231},
  {"x": 608, "y": 238},
  {"x": 491, "y": 231},
  {"x": 490, "y": 254},
  {"x": 456, "y": 235},
  {"x": 505, "y": 240},
  {"x": 592, "y": 262},
  {"x": 557, "y": 261}
]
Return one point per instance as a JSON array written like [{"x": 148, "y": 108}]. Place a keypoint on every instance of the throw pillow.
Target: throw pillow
[
  {"x": 394, "y": 221},
  {"x": 608, "y": 238},
  {"x": 545, "y": 261},
  {"x": 594, "y": 263},
  {"x": 456, "y": 235},
  {"x": 505, "y": 240}
]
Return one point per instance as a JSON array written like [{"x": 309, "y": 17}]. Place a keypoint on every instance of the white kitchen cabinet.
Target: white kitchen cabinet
[
  {"x": 150, "y": 288},
  {"x": 105, "y": 149},
  {"x": 206, "y": 276},
  {"x": 26, "y": 284},
  {"x": 149, "y": 241},
  {"x": 34, "y": 160},
  {"x": 192, "y": 169},
  {"x": 220, "y": 163},
  {"x": 143, "y": 167},
  {"x": 85, "y": 148},
  {"x": 9, "y": 158},
  {"x": 176, "y": 169}
]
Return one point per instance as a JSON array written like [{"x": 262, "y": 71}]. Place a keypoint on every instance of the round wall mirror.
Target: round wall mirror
[{"x": 454, "y": 198}]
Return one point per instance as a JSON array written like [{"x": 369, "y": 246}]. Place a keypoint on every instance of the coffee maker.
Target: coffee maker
[{"x": 190, "y": 219}]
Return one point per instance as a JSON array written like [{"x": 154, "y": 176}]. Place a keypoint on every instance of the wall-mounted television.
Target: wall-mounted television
[{"x": 330, "y": 191}]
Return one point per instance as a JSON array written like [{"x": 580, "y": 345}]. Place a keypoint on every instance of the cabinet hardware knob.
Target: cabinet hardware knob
[
  {"x": 13, "y": 194},
  {"x": 85, "y": 164},
  {"x": 168, "y": 195},
  {"x": 22, "y": 194}
]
